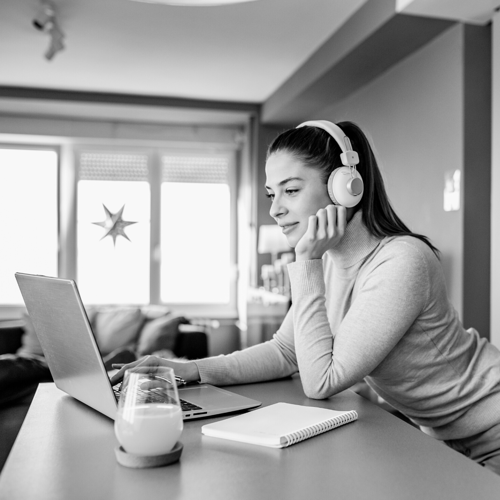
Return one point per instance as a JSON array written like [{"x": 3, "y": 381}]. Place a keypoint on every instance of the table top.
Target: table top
[{"x": 66, "y": 450}]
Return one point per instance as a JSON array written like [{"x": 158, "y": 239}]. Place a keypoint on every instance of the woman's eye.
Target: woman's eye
[
  {"x": 270, "y": 196},
  {"x": 292, "y": 191}
]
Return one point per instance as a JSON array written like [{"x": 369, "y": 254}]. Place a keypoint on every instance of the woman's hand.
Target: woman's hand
[
  {"x": 184, "y": 369},
  {"x": 325, "y": 230}
]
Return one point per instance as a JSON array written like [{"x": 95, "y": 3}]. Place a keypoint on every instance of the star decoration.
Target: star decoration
[{"x": 114, "y": 224}]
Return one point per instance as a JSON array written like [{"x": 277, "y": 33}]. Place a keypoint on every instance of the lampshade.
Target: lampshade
[{"x": 272, "y": 240}]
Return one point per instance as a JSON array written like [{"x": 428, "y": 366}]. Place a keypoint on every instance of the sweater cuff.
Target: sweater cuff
[
  {"x": 306, "y": 277},
  {"x": 210, "y": 373}
]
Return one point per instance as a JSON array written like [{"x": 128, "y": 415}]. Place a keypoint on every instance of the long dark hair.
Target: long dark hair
[{"x": 318, "y": 149}]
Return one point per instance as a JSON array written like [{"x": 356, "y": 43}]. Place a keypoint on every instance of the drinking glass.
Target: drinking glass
[{"x": 149, "y": 418}]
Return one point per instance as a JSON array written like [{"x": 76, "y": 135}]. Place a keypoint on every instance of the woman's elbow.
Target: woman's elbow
[{"x": 315, "y": 391}]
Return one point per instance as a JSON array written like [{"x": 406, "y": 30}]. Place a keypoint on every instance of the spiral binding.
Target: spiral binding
[{"x": 327, "y": 425}]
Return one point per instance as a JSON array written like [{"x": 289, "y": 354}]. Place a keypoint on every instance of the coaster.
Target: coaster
[{"x": 139, "y": 462}]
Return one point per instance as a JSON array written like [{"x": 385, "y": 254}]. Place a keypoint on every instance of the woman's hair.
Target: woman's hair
[{"x": 317, "y": 149}]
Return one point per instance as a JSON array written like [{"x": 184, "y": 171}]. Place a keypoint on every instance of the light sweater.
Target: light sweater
[{"x": 377, "y": 309}]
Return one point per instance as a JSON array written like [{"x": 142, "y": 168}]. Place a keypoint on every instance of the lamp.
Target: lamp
[{"x": 272, "y": 240}]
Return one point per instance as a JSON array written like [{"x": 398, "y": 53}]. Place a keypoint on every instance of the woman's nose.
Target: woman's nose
[{"x": 277, "y": 209}]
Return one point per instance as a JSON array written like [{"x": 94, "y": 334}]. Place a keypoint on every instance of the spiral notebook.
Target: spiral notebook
[{"x": 279, "y": 425}]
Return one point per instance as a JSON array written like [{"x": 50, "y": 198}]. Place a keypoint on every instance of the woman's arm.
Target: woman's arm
[
  {"x": 270, "y": 360},
  {"x": 267, "y": 361},
  {"x": 390, "y": 295}
]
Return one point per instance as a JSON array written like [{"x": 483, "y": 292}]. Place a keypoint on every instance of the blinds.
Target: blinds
[
  {"x": 110, "y": 166},
  {"x": 113, "y": 166},
  {"x": 195, "y": 169}
]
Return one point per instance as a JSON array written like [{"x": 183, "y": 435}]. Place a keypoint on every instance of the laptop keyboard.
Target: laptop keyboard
[
  {"x": 150, "y": 396},
  {"x": 187, "y": 406}
]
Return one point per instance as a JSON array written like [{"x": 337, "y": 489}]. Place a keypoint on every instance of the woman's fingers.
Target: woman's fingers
[
  {"x": 312, "y": 227},
  {"x": 331, "y": 220},
  {"x": 341, "y": 214},
  {"x": 118, "y": 376},
  {"x": 322, "y": 230},
  {"x": 145, "y": 361}
]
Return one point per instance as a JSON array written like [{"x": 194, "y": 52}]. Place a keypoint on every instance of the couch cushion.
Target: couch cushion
[
  {"x": 160, "y": 333},
  {"x": 153, "y": 311},
  {"x": 30, "y": 344},
  {"x": 116, "y": 327}
]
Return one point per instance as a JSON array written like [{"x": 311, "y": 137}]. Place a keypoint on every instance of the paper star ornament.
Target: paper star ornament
[{"x": 114, "y": 225}]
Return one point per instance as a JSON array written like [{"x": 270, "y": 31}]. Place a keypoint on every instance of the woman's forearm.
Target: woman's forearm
[{"x": 267, "y": 361}]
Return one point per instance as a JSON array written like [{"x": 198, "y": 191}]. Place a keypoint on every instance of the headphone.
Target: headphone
[{"x": 345, "y": 185}]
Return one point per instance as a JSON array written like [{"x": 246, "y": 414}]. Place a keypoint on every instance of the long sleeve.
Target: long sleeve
[
  {"x": 347, "y": 321},
  {"x": 267, "y": 361}
]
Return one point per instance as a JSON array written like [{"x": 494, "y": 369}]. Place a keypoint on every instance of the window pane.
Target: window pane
[
  {"x": 195, "y": 243},
  {"x": 113, "y": 268},
  {"x": 28, "y": 217}
]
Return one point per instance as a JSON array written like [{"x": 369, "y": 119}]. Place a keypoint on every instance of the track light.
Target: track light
[
  {"x": 56, "y": 41},
  {"x": 46, "y": 21},
  {"x": 44, "y": 17}
]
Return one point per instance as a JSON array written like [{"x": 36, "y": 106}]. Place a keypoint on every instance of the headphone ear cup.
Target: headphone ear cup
[
  {"x": 329, "y": 186},
  {"x": 345, "y": 187}
]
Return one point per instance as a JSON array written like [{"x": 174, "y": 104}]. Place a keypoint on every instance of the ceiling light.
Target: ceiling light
[
  {"x": 46, "y": 21},
  {"x": 44, "y": 17}
]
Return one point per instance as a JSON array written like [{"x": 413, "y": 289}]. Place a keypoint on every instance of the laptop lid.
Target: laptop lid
[
  {"x": 71, "y": 351},
  {"x": 68, "y": 343}
]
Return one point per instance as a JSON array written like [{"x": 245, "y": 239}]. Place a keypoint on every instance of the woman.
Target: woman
[{"x": 369, "y": 300}]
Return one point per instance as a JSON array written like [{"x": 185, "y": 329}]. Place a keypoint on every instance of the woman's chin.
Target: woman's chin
[{"x": 293, "y": 240}]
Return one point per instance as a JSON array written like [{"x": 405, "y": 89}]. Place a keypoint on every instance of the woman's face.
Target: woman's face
[{"x": 296, "y": 191}]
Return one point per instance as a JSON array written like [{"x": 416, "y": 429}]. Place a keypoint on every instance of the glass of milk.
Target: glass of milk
[{"x": 149, "y": 418}]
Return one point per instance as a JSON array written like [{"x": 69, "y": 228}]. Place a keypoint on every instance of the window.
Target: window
[
  {"x": 28, "y": 216},
  {"x": 195, "y": 247},
  {"x": 176, "y": 243},
  {"x": 113, "y": 261}
]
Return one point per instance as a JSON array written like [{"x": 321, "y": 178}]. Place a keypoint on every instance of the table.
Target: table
[{"x": 65, "y": 450}]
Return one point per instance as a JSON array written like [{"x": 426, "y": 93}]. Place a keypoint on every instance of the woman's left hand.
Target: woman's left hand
[
  {"x": 324, "y": 231},
  {"x": 187, "y": 370}
]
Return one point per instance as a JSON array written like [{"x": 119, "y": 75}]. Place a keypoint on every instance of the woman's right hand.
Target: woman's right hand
[
  {"x": 187, "y": 370},
  {"x": 325, "y": 230}
]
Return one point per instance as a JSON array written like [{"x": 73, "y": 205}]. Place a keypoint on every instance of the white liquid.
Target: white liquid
[{"x": 149, "y": 430}]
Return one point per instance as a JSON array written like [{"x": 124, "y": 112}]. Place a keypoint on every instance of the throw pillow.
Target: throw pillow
[
  {"x": 117, "y": 327},
  {"x": 159, "y": 334},
  {"x": 30, "y": 345}
]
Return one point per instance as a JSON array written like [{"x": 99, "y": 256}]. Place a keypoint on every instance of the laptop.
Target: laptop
[{"x": 71, "y": 351}]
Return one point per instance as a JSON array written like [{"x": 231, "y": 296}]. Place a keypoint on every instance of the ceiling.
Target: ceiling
[{"x": 241, "y": 53}]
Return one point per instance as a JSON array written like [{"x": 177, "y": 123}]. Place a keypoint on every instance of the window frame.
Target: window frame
[
  {"x": 154, "y": 155},
  {"x": 232, "y": 128},
  {"x": 205, "y": 309}
]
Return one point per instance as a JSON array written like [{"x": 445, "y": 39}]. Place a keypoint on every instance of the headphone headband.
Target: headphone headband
[{"x": 348, "y": 157}]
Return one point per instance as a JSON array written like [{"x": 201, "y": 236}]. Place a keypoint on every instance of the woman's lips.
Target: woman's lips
[{"x": 288, "y": 227}]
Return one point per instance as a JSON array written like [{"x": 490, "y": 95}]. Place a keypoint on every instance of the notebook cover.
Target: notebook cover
[{"x": 278, "y": 425}]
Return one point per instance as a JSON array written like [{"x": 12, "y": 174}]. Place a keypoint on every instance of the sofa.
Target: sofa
[{"x": 123, "y": 334}]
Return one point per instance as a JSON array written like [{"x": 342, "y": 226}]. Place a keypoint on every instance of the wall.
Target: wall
[{"x": 415, "y": 114}]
